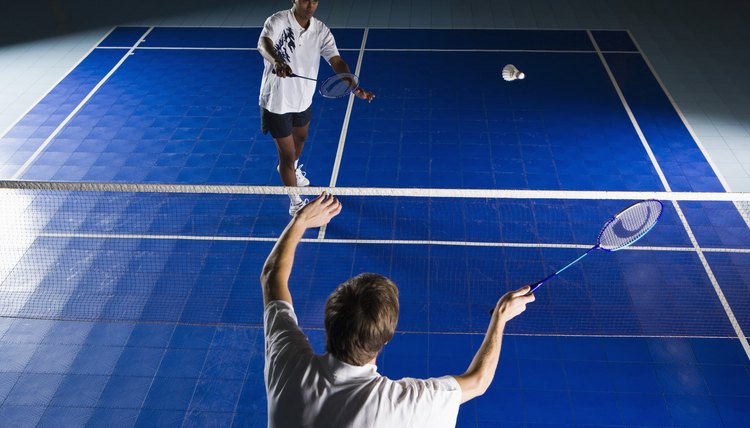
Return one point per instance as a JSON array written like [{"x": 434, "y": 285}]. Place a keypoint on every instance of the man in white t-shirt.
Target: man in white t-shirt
[
  {"x": 292, "y": 42},
  {"x": 342, "y": 388}
]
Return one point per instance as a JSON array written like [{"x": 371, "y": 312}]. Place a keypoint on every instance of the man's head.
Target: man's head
[
  {"x": 304, "y": 9},
  {"x": 361, "y": 316}
]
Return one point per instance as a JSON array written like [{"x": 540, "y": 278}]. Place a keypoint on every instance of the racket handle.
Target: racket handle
[
  {"x": 539, "y": 283},
  {"x": 536, "y": 285},
  {"x": 273, "y": 70},
  {"x": 297, "y": 75}
]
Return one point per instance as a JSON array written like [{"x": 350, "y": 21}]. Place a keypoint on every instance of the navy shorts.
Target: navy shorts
[{"x": 280, "y": 125}]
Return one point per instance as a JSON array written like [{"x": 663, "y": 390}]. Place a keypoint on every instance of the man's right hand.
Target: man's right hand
[
  {"x": 319, "y": 212},
  {"x": 282, "y": 69},
  {"x": 513, "y": 303}
]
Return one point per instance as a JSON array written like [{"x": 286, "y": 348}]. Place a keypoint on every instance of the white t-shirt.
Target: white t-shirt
[
  {"x": 309, "y": 390},
  {"x": 301, "y": 49}
]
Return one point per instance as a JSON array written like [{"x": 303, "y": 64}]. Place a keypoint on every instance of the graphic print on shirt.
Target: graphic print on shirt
[{"x": 285, "y": 41}]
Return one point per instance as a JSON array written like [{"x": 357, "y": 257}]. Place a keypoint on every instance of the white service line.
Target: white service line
[
  {"x": 207, "y": 48},
  {"x": 347, "y": 117},
  {"x": 196, "y": 48},
  {"x": 717, "y": 289},
  {"x": 693, "y": 134},
  {"x": 57, "y": 83},
  {"x": 410, "y": 332},
  {"x": 634, "y": 122},
  {"x": 475, "y": 28},
  {"x": 345, "y": 128},
  {"x": 492, "y": 50},
  {"x": 70, "y": 116},
  {"x": 681, "y": 115},
  {"x": 177, "y": 48},
  {"x": 483, "y": 333},
  {"x": 377, "y": 242},
  {"x": 605, "y": 336}
]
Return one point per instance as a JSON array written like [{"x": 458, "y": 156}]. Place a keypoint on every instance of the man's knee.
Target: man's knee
[{"x": 300, "y": 135}]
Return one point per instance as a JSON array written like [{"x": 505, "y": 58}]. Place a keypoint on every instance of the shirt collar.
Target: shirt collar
[
  {"x": 343, "y": 371},
  {"x": 293, "y": 22}
]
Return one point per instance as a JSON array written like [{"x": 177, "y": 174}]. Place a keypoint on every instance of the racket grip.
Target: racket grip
[{"x": 535, "y": 286}]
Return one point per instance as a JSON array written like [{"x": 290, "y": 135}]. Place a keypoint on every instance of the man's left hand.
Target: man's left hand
[
  {"x": 364, "y": 94},
  {"x": 320, "y": 211}
]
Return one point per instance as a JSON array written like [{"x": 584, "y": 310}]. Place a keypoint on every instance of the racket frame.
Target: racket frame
[
  {"x": 337, "y": 76},
  {"x": 643, "y": 233},
  {"x": 599, "y": 239}
]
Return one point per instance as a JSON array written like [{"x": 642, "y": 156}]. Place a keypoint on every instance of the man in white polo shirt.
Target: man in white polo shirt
[
  {"x": 292, "y": 42},
  {"x": 342, "y": 388}
]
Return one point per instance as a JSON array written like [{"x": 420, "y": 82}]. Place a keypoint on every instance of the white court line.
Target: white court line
[
  {"x": 345, "y": 127},
  {"x": 313, "y": 328},
  {"x": 492, "y": 50},
  {"x": 206, "y": 48},
  {"x": 347, "y": 117},
  {"x": 599, "y": 336},
  {"x": 195, "y": 48},
  {"x": 173, "y": 48},
  {"x": 377, "y": 242},
  {"x": 634, "y": 122},
  {"x": 690, "y": 129},
  {"x": 70, "y": 116},
  {"x": 717, "y": 289},
  {"x": 682, "y": 116},
  {"x": 546, "y": 29},
  {"x": 57, "y": 83}
]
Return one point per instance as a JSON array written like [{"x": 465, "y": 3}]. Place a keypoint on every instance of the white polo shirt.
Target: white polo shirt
[
  {"x": 301, "y": 49},
  {"x": 309, "y": 390}
]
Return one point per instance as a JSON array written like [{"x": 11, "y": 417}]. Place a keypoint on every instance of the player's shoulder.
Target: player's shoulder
[
  {"x": 280, "y": 16},
  {"x": 319, "y": 25},
  {"x": 445, "y": 383}
]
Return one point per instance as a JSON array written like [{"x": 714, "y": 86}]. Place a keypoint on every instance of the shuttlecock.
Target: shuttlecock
[{"x": 510, "y": 73}]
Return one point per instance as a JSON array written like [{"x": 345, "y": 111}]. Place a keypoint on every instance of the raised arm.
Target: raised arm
[
  {"x": 274, "y": 279},
  {"x": 478, "y": 377},
  {"x": 340, "y": 66}
]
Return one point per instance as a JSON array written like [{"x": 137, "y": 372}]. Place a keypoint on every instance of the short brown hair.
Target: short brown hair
[{"x": 361, "y": 316}]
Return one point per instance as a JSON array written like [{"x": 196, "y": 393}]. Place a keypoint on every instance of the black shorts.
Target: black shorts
[{"x": 280, "y": 125}]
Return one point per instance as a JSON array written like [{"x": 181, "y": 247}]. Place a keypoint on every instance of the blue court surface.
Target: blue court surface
[{"x": 130, "y": 308}]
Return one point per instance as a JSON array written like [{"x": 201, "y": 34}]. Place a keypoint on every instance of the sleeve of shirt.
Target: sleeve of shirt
[
  {"x": 435, "y": 401},
  {"x": 328, "y": 47},
  {"x": 285, "y": 342},
  {"x": 268, "y": 29}
]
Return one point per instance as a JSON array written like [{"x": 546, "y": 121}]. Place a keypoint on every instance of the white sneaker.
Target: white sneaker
[
  {"x": 302, "y": 181},
  {"x": 293, "y": 208}
]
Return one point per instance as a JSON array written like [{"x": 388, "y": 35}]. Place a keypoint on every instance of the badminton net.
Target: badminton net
[{"x": 192, "y": 254}]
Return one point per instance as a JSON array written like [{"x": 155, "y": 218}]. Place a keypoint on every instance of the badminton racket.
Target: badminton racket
[
  {"x": 337, "y": 86},
  {"x": 621, "y": 231}
]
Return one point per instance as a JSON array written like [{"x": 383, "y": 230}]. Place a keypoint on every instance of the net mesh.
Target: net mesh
[
  {"x": 630, "y": 225},
  {"x": 193, "y": 254}
]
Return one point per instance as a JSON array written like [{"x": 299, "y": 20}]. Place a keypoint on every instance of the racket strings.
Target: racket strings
[
  {"x": 630, "y": 225},
  {"x": 339, "y": 85}
]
